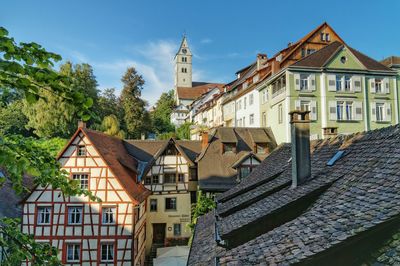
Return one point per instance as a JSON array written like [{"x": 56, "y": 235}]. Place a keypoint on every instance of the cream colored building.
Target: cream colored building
[{"x": 169, "y": 171}]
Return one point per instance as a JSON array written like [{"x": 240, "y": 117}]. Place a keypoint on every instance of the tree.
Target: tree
[
  {"x": 136, "y": 117},
  {"x": 13, "y": 120},
  {"x": 108, "y": 104},
  {"x": 161, "y": 115},
  {"x": 27, "y": 69},
  {"x": 183, "y": 132},
  {"x": 50, "y": 116},
  {"x": 203, "y": 205},
  {"x": 110, "y": 126}
]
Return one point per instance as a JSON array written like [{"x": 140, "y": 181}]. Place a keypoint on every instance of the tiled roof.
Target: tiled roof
[
  {"x": 391, "y": 61},
  {"x": 334, "y": 217},
  {"x": 122, "y": 164},
  {"x": 192, "y": 93},
  {"x": 321, "y": 57},
  {"x": 221, "y": 176}
]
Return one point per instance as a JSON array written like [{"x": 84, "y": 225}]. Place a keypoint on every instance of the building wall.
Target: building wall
[
  {"x": 91, "y": 233},
  {"x": 173, "y": 164},
  {"x": 229, "y": 114},
  {"x": 246, "y": 109}
]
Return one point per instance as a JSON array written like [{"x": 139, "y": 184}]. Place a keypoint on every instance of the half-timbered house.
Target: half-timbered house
[
  {"x": 168, "y": 170},
  {"x": 110, "y": 232}
]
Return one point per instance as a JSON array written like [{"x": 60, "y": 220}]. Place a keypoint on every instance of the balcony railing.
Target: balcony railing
[{"x": 278, "y": 92}]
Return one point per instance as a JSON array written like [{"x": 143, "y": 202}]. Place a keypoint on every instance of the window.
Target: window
[
  {"x": 380, "y": 109},
  {"x": 347, "y": 82},
  {"x": 83, "y": 179},
  {"x": 171, "y": 150},
  {"x": 264, "y": 119},
  {"x": 327, "y": 37},
  {"x": 245, "y": 102},
  {"x": 344, "y": 110},
  {"x": 184, "y": 59},
  {"x": 378, "y": 85},
  {"x": 303, "y": 52},
  {"x": 305, "y": 106},
  {"x": 251, "y": 99},
  {"x": 147, "y": 180},
  {"x": 155, "y": 179},
  {"x": 261, "y": 148},
  {"x": 108, "y": 215},
  {"x": 74, "y": 215},
  {"x": 251, "y": 119},
  {"x": 107, "y": 252},
  {"x": 44, "y": 214},
  {"x": 339, "y": 82},
  {"x": 181, "y": 178},
  {"x": 303, "y": 82},
  {"x": 169, "y": 178},
  {"x": 73, "y": 252},
  {"x": 336, "y": 157},
  {"x": 280, "y": 114},
  {"x": 244, "y": 171},
  {"x": 81, "y": 150},
  {"x": 153, "y": 205},
  {"x": 229, "y": 147},
  {"x": 322, "y": 35},
  {"x": 264, "y": 96},
  {"x": 170, "y": 203},
  {"x": 177, "y": 229},
  {"x": 343, "y": 59}
]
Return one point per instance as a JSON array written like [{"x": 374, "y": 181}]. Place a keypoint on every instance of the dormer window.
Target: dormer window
[
  {"x": 229, "y": 147},
  {"x": 81, "y": 150},
  {"x": 261, "y": 148}
]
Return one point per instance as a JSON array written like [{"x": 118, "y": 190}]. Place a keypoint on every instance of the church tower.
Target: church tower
[{"x": 183, "y": 66}]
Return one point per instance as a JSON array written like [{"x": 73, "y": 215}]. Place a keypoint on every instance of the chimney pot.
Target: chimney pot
[
  {"x": 330, "y": 132},
  {"x": 81, "y": 124},
  {"x": 204, "y": 139},
  {"x": 301, "y": 157}
]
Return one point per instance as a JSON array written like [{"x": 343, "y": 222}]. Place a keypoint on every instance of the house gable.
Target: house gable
[{"x": 345, "y": 59}]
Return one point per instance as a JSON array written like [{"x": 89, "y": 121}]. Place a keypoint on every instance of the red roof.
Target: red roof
[{"x": 192, "y": 93}]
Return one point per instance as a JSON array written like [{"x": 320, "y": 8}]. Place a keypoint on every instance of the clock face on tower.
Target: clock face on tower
[{"x": 184, "y": 50}]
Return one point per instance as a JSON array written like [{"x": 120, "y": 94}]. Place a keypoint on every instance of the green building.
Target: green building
[{"x": 345, "y": 90}]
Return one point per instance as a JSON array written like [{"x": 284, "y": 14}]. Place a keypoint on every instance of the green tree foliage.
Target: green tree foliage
[
  {"x": 183, "y": 132},
  {"x": 136, "y": 117},
  {"x": 161, "y": 115},
  {"x": 108, "y": 104},
  {"x": 53, "y": 146},
  {"x": 166, "y": 135},
  {"x": 27, "y": 69},
  {"x": 110, "y": 126},
  {"x": 50, "y": 116},
  {"x": 12, "y": 119},
  {"x": 204, "y": 205}
]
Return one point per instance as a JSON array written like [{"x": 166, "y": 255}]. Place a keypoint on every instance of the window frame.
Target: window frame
[
  {"x": 79, "y": 149},
  {"x": 175, "y": 226},
  {"x": 107, "y": 259},
  {"x": 69, "y": 221},
  {"x": 74, "y": 245},
  {"x": 280, "y": 114},
  {"x": 151, "y": 209},
  {"x": 304, "y": 86},
  {"x": 171, "y": 199},
  {"x": 42, "y": 216},
  {"x": 382, "y": 110},
  {"x": 84, "y": 185},
  {"x": 104, "y": 214}
]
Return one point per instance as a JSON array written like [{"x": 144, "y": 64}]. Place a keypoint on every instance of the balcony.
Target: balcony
[{"x": 278, "y": 92}]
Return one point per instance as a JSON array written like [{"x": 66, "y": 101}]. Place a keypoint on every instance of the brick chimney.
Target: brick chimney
[
  {"x": 275, "y": 66},
  {"x": 301, "y": 158},
  {"x": 81, "y": 124},
  {"x": 261, "y": 59},
  {"x": 204, "y": 139},
  {"x": 330, "y": 132}
]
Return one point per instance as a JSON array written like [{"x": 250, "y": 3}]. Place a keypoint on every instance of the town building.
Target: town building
[
  {"x": 393, "y": 62},
  {"x": 168, "y": 169},
  {"x": 229, "y": 155},
  {"x": 110, "y": 232},
  {"x": 241, "y": 106},
  {"x": 186, "y": 90},
  {"x": 345, "y": 90},
  {"x": 321, "y": 202}
]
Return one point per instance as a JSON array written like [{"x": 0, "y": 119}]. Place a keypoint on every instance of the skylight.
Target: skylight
[{"x": 336, "y": 157}]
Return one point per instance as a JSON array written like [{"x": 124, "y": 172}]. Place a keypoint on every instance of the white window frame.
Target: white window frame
[
  {"x": 76, "y": 251},
  {"x": 304, "y": 80},
  {"x": 108, "y": 215},
  {"x": 43, "y": 215},
  {"x": 381, "y": 117},
  {"x": 75, "y": 212},
  {"x": 251, "y": 119},
  {"x": 83, "y": 179},
  {"x": 109, "y": 255},
  {"x": 81, "y": 151}
]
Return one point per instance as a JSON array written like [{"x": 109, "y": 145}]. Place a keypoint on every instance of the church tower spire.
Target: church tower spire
[{"x": 183, "y": 65}]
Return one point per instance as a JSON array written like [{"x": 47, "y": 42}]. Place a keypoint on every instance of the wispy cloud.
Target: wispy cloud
[{"x": 206, "y": 41}]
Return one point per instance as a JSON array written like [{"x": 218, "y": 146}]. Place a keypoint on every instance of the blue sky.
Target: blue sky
[{"x": 224, "y": 35}]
